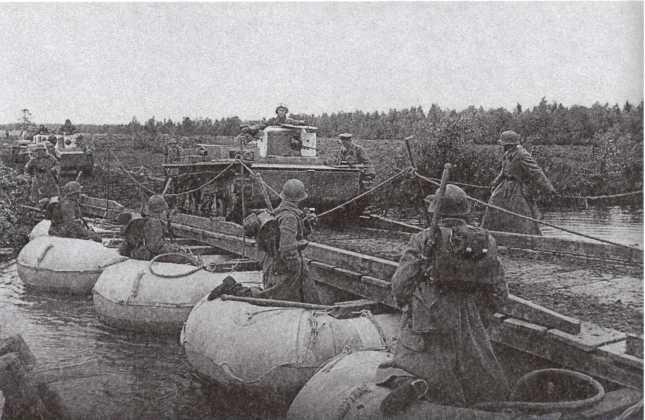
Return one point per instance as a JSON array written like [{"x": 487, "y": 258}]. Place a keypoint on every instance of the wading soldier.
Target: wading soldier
[
  {"x": 444, "y": 353},
  {"x": 65, "y": 215},
  {"x": 144, "y": 237},
  {"x": 285, "y": 274},
  {"x": 515, "y": 188},
  {"x": 42, "y": 169}
]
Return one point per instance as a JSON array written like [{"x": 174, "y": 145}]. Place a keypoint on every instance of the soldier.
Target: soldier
[
  {"x": 281, "y": 117},
  {"x": 446, "y": 277},
  {"x": 247, "y": 138},
  {"x": 42, "y": 167},
  {"x": 514, "y": 189},
  {"x": 144, "y": 237},
  {"x": 65, "y": 215},
  {"x": 174, "y": 152},
  {"x": 350, "y": 153},
  {"x": 285, "y": 274}
]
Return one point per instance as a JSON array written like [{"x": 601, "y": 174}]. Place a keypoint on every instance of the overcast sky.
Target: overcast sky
[{"x": 104, "y": 63}]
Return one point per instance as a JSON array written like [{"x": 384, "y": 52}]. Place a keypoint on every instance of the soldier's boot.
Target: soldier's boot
[
  {"x": 409, "y": 390},
  {"x": 227, "y": 287}
]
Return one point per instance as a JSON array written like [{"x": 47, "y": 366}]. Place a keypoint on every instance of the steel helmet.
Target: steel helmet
[
  {"x": 509, "y": 137},
  {"x": 72, "y": 187},
  {"x": 293, "y": 190},
  {"x": 172, "y": 141},
  {"x": 157, "y": 204},
  {"x": 454, "y": 203},
  {"x": 281, "y": 106}
]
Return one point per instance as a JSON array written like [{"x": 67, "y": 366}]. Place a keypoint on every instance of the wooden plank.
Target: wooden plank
[
  {"x": 534, "y": 340},
  {"x": 590, "y": 337},
  {"x": 616, "y": 351},
  {"x": 635, "y": 345},
  {"x": 572, "y": 247},
  {"x": 523, "y": 309},
  {"x": 568, "y": 246}
]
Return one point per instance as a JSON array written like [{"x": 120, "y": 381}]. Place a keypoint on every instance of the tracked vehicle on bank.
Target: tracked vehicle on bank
[{"x": 222, "y": 182}]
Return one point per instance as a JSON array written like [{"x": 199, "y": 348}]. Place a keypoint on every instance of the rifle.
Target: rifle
[{"x": 424, "y": 210}]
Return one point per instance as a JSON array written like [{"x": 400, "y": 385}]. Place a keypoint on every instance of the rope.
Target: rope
[
  {"x": 256, "y": 176},
  {"x": 371, "y": 190},
  {"x": 521, "y": 216},
  {"x": 483, "y": 187},
  {"x": 203, "y": 185},
  {"x": 602, "y": 197},
  {"x": 140, "y": 185},
  {"x": 175, "y": 276}
]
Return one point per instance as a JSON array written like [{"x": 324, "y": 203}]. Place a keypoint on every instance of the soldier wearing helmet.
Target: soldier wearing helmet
[
  {"x": 66, "y": 217},
  {"x": 281, "y": 117},
  {"x": 285, "y": 274},
  {"x": 515, "y": 188},
  {"x": 144, "y": 237},
  {"x": 42, "y": 167},
  {"x": 447, "y": 278}
]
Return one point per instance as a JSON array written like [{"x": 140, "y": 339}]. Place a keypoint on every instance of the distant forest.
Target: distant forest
[{"x": 545, "y": 124}]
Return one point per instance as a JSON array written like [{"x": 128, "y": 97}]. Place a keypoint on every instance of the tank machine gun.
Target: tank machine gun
[{"x": 280, "y": 153}]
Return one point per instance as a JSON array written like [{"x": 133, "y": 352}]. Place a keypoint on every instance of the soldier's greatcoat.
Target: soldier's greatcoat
[
  {"x": 148, "y": 240},
  {"x": 514, "y": 189},
  {"x": 285, "y": 274},
  {"x": 443, "y": 340},
  {"x": 43, "y": 181}
]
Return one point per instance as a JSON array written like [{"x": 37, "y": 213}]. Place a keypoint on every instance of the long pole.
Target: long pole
[{"x": 419, "y": 185}]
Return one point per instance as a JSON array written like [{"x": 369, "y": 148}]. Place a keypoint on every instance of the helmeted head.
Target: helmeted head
[
  {"x": 156, "y": 205},
  {"x": 281, "y": 110},
  {"x": 345, "y": 138},
  {"x": 509, "y": 138},
  {"x": 293, "y": 190},
  {"x": 71, "y": 189},
  {"x": 454, "y": 203},
  {"x": 172, "y": 141}
]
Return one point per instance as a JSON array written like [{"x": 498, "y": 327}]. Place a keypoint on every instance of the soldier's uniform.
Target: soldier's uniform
[
  {"x": 145, "y": 237},
  {"x": 515, "y": 188},
  {"x": 351, "y": 153},
  {"x": 42, "y": 169},
  {"x": 285, "y": 274},
  {"x": 66, "y": 217},
  {"x": 443, "y": 340},
  {"x": 281, "y": 118}
]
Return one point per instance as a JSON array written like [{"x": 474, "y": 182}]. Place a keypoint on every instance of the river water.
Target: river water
[{"x": 129, "y": 376}]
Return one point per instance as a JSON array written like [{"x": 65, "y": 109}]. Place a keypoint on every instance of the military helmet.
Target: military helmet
[
  {"x": 509, "y": 137},
  {"x": 454, "y": 203},
  {"x": 156, "y": 204},
  {"x": 293, "y": 190},
  {"x": 345, "y": 136},
  {"x": 281, "y": 106},
  {"x": 72, "y": 187},
  {"x": 172, "y": 141}
]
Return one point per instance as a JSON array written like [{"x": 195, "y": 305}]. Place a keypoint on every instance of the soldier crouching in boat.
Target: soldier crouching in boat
[
  {"x": 65, "y": 215},
  {"x": 285, "y": 273},
  {"x": 144, "y": 236},
  {"x": 444, "y": 353}
]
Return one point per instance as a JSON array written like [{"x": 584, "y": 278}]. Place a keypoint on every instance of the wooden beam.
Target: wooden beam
[
  {"x": 540, "y": 341},
  {"x": 545, "y": 244},
  {"x": 523, "y": 309}
]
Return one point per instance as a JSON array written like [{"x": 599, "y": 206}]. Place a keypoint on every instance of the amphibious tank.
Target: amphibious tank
[{"x": 217, "y": 175}]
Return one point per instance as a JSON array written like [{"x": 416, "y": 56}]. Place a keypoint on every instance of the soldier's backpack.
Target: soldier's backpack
[
  {"x": 264, "y": 227},
  {"x": 133, "y": 236},
  {"x": 465, "y": 257},
  {"x": 53, "y": 211}
]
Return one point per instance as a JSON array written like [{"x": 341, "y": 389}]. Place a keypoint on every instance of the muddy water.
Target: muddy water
[
  {"x": 117, "y": 375},
  {"x": 618, "y": 224},
  {"x": 127, "y": 376}
]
